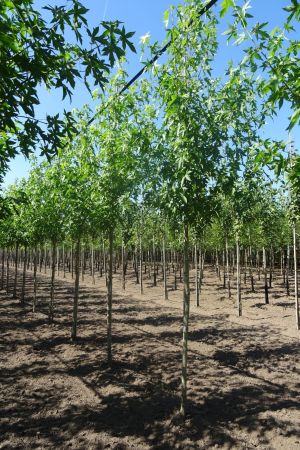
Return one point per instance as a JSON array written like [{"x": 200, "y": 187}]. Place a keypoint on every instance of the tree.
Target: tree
[
  {"x": 78, "y": 169},
  {"x": 34, "y": 50},
  {"x": 117, "y": 139},
  {"x": 275, "y": 53}
]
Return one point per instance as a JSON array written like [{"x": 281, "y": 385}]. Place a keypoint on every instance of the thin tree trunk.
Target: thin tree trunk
[
  {"x": 109, "y": 299},
  {"x": 7, "y": 270},
  {"x": 72, "y": 262},
  {"x": 141, "y": 265},
  {"x": 196, "y": 276},
  {"x": 82, "y": 264},
  {"x": 76, "y": 290},
  {"x": 296, "y": 278},
  {"x": 45, "y": 256},
  {"x": 123, "y": 266},
  {"x": 57, "y": 260},
  {"x": 40, "y": 258},
  {"x": 92, "y": 262},
  {"x": 165, "y": 269},
  {"x": 238, "y": 280},
  {"x": 3, "y": 269},
  {"x": 271, "y": 267},
  {"x": 154, "y": 261},
  {"x": 265, "y": 276},
  {"x": 186, "y": 313},
  {"x": 104, "y": 263},
  {"x": 24, "y": 276},
  {"x": 53, "y": 266},
  {"x": 16, "y": 271},
  {"x": 64, "y": 262},
  {"x": 35, "y": 264},
  {"x": 287, "y": 270},
  {"x": 227, "y": 269}
]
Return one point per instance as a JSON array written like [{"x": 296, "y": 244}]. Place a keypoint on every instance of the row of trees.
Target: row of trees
[{"x": 174, "y": 155}]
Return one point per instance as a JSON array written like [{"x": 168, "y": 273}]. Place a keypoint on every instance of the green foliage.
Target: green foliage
[
  {"x": 180, "y": 147},
  {"x": 34, "y": 51},
  {"x": 276, "y": 54}
]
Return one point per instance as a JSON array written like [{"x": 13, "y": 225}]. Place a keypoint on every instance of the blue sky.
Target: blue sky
[{"x": 144, "y": 16}]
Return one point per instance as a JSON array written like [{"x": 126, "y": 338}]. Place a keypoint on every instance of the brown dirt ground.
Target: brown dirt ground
[{"x": 243, "y": 372}]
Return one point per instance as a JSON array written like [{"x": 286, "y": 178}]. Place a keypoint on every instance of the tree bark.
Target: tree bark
[
  {"x": 141, "y": 265},
  {"x": 24, "y": 276},
  {"x": 296, "y": 277},
  {"x": 16, "y": 271},
  {"x": 53, "y": 266},
  {"x": 3, "y": 269},
  {"x": 64, "y": 260},
  {"x": 109, "y": 299},
  {"x": 82, "y": 264},
  {"x": 92, "y": 263},
  {"x": 154, "y": 262},
  {"x": 196, "y": 276},
  {"x": 45, "y": 257},
  {"x": 123, "y": 266},
  {"x": 238, "y": 280},
  {"x": 7, "y": 270},
  {"x": 227, "y": 268},
  {"x": 76, "y": 290},
  {"x": 186, "y": 313},
  {"x": 287, "y": 270},
  {"x": 35, "y": 264},
  {"x": 165, "y": 269},
  {"x": 265, "y": 276}
]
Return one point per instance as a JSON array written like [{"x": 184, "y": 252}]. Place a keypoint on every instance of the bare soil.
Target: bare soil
[{"x": 243, "y": 372}]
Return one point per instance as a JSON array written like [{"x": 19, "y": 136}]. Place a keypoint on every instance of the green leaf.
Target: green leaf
[{"x": 225, "y": 5}]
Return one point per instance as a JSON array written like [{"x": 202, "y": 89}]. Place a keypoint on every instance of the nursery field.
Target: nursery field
[
  {"x": 243, "y": 376},
  {"x": 149, "y": 256}
]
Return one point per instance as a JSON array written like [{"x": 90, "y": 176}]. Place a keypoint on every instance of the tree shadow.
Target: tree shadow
[{"x": 61, "y": 395}]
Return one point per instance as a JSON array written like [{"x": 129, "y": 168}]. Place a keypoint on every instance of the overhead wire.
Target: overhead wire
[{"x": 151, "y": 62}]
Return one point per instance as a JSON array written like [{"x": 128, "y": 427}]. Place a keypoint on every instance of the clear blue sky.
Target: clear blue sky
[{"x": 144, "y": 16}]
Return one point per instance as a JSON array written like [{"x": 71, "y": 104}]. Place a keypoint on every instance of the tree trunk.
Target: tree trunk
[
  {"x": 141, "y": 265},
  {"x": 40, "y": 259},
  {"x": 271, "y": 266},
  {"x": 227, "y": 269},
  {"x": 154, "y": 262},
  {"x": 76, "y": 290},
  {"x": 53, "y": 265},
  {"x": 196, "y": 276},
  {"x": 109, "y": 298},
  {"x": 45, "y": 256},
  {"x": 265, "y": 276},
  {"x": 165, "y": 269},
  {"x": 123, "y": 266},
  {"x": 16, "y": 271},
  {"x": 64, "y": 262},
  {"x": 82, "y": 264},
  {"x": 72, "y": 262},
  {"x": 24, "y": 276},
  {"x": 238, "y": 280},
  {"x": 287, "y": 270},
  {"x": 296, "y": 278},
  {"x": 7, "y": 270},
  {"x": 3, "y": 269},
  {"x": 104, "y": 263},
  {"x": 92, "y": 263},
  {"x": 186, "y": 313},
  {"x": 35, "y": 264},
  {"x": 57, "y": 260}
]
